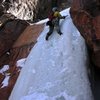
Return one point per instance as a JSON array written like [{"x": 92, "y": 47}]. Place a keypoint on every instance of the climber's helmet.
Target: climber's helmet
[{"x": 54, "y": 9}]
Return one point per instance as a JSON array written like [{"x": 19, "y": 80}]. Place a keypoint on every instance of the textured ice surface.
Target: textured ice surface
[{"x": 55, "y": 69}]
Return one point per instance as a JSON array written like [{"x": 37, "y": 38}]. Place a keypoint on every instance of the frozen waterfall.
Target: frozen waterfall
[{"x": 55, "y": 69}]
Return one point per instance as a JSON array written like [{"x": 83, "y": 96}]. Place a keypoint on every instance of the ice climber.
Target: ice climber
[{"x": 53, "y": 22}]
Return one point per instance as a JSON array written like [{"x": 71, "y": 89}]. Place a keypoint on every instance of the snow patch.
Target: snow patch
[
  {"x": 42, "y": 21},
  {"x": 8, "y": 53},
  {"x": 5, "y": 68},
  {"x": 5, "y": 81},
  {"x": 21, "y": 62}
]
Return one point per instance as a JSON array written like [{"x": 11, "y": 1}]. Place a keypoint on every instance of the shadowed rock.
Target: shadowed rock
[
  {"x": 9, "y": 32},
  {"x": 86, "y": 17},
  {"x": 18, "y": 50}
]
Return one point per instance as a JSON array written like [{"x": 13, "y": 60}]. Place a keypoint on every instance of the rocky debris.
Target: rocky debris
[
  {"x": 29, "y": 9},
  {"x": 86, "y": 16},
  {"x": 1, "y": 10},
  {"x": 34, "y": 10},
  {"x": 5, "y": 17},
  {"x": 17, "y": 50},
  {"x": 4, "y": 6}
]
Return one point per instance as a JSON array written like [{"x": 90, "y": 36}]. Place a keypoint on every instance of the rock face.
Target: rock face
[
  {"x": 86, "y": 17},
  {"x": 31, "y": 9},
  {"x": 9, "y": 32},
  {"x": 17, "y": 38},
  {"x": 26, "y": 9}
]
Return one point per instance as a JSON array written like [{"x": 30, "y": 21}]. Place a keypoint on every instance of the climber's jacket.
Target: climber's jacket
[{"x": 54, "y": 18}]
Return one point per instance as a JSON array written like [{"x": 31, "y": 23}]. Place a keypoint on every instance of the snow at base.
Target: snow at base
[
  {"x": 21, "y": 62},
  {"x": 55, "y": 69},
  {"x": 4, "y": 68},
  {"x": 6, "y": 80},
  {"x": 7, "y": 76}
]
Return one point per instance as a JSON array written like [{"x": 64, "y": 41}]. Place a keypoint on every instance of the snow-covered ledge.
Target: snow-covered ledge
[{"x": 55, "y": 69}]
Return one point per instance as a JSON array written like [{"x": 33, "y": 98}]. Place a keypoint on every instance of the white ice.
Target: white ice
[
  {"x": 21, "y": 62},
  {"x": 55, "y": 69},
  {"x": 5, "y": 81},
  {"x": 4, "y": 68}
]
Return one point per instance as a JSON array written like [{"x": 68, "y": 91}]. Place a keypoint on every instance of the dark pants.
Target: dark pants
[{"x": 51, "y": 28}]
